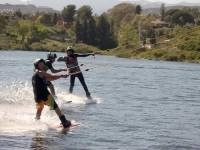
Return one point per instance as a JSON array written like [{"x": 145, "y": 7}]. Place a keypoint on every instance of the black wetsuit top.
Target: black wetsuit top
[{"x": 39, "y": 88}]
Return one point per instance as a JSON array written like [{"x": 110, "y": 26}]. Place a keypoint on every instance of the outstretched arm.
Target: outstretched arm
[
  {"x": 85, "y": 55},
  {"x": 62, "y": 59},
  {"x": 57, "y": 70},
  {"x": 51, "y": 77}
]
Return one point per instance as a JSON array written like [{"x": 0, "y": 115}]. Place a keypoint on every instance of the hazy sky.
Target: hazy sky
[
  {"x": 170, "y": 1},
  {"x": 177, "y": 1},
  {"x": 165, "y": 1},
  {"x": 97, "y": 5}
]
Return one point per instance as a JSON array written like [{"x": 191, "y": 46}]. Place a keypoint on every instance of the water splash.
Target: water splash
[
  {"x": 16, "y": 92},
  {"x": 18, "y": 107}
]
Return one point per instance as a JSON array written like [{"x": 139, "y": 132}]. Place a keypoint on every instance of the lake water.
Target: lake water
[{"x": 140, "y": 105}]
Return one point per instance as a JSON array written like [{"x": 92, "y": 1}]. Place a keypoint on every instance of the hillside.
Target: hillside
[
  {"x": 26, "y": 8},
  {"x": 98, "y": 6},
  {"x": 156, "y": 10}
]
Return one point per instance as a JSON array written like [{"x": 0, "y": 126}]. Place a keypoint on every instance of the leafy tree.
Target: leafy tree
[
  {"x": 85, "y": 26},
  {"x": 84, "y": 12},
  {"x": 162, "y": 11},
  {"x": 68, "y": 13},
  {"x": 55, "y": 18},
  {"x": 18, "y": 13},
  {"x": 128, "y": 36},
  {"x": 169, "y": 13},
  {"x": 119, "y": 11},
  {"x": 46, "y": 19},
  {"x": 78, "y": 31},
  {"x": 3, "y": 23},
  {"x": 24, "y": 31},
  {"x": 105, "y": 37},
  {"x": 39, "y": 32},
  {"x": 91, "y": 31},
  {"x": 138, "y": 9},
  {"x": 151, "y": 35},
  {"x": 182, "y": 18}
]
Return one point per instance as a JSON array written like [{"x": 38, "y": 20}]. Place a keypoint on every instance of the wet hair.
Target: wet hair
[{"x": 37, "y": 61}]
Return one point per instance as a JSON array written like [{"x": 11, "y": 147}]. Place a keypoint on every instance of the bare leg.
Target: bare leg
[
  {"x": 58, "y": 112},
  {"x": 38, "y": 113},
  {"x": 66, "y": 123}
]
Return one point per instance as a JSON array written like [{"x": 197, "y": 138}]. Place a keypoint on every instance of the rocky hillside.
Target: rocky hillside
[{"x": 25, "y": 8}]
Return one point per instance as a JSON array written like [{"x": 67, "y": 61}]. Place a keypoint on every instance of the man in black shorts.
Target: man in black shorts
[{"x": 41, "y": 94}]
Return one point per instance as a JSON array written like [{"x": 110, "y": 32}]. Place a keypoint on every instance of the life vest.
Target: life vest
[{"x": 72, "y": 64}]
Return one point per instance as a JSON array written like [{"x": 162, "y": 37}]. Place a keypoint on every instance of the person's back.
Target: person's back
[{"x": 39, "y": 87}]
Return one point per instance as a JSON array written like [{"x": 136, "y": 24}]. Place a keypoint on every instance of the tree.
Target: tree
[
  {"x": 3, "y": 23},
  {"x": 46, "y": 19},
  {"x": 105, "y": 37},
  {"x": 91, "y": 31},
  {"x": 119, "y": 12},
  {"x": 168, "y": 15},
  {"x": 85, "y": 26},
  {"x": 55, "y": 18},
  {"x": 18, "y": 13},
  {"x": 78, "y": 31},
  {"x": 138, "y": 9},
  {"x": 24, "y": 31},
  {"x": 39, "y": 32},
  {"x": 182, "y": 18},
  {"x": 68, "y": 13},
  {"x": 151, "y": 34},
  {"x": 84, "y": 12},
  {"x": 128, "y": 36},
  {"x": 162, "y": 11}
]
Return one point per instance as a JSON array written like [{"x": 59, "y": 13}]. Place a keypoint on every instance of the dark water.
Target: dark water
[{"x": 142, "y": 105}]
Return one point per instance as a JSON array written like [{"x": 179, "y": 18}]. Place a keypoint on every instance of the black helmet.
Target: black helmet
[
  {"x": 51, "y": 55},
  {"x": 37, "y": 61}
]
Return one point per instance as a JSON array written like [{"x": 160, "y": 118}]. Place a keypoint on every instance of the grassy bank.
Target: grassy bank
[
  {"x": 158, "y": 54},
  {"x": 162, "y": 52},
  {"x": 46, "y": 45}
]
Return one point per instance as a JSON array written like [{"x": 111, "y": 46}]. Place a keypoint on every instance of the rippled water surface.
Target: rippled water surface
[{"x": 139, "y": 104}]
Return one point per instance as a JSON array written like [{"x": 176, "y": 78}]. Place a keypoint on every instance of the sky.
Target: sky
[
  {"x": 97, "y": 5},
  {"x": 165, "y": 1},
  {"x": 177, "y": 1}
]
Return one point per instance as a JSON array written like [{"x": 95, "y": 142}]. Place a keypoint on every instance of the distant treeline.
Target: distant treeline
[{"x": 122, "y": 27}]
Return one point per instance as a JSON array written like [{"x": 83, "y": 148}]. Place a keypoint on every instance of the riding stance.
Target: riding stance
[
  {"x": 74, "y": 69},
  {"x": 41, "y": 94},
  {"x": 48, "y": 62}
]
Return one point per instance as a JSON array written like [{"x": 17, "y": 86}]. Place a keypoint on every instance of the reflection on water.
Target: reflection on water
[{"x": 39, "y": 142}]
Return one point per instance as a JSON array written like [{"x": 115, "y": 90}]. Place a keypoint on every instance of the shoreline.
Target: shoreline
[{"x": 153, "y": 54}]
